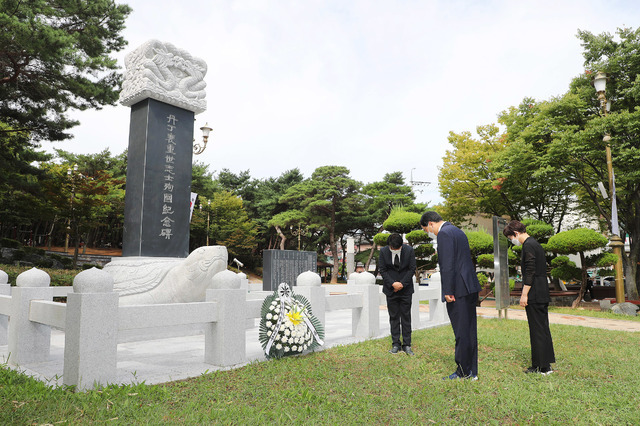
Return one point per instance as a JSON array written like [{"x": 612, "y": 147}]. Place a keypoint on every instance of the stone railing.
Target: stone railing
[{"x": 94, "y": 323}]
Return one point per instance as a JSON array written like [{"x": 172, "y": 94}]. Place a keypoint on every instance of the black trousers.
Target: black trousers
[
  {"x": 399, "y": 307},
  {"x": 542, "y": 354},
  {"x": 462, "y": 314}
]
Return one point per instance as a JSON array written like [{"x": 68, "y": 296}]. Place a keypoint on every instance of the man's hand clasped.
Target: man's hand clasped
[{"x": 397, "y": 286}]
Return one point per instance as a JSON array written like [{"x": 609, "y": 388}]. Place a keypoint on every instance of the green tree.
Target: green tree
[
  {"x": 55, "y": 56},
  {"x": 327, "y": 200},
  {"x": 22, "y": 200},
  {"x": 99, "y": 194},
  {"x": 231, "y": 227},
  {"x": 577, "y": 241},
  {"x": 467, "y": 182},
  {"x": 480, "y": 242},
  {"x": 379, "y": 199},
  {"x": 522, "y": 170}
]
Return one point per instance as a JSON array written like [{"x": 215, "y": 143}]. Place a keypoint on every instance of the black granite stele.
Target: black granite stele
[
  {"x": 284, "y": 266},
  {"x": 158, "y": 190}
]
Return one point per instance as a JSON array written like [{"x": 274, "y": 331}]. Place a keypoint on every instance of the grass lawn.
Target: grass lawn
[{"x": 596, "y": 382}]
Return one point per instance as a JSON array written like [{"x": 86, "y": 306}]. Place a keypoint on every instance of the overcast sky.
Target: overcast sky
[{"x": 375, "y": 86}]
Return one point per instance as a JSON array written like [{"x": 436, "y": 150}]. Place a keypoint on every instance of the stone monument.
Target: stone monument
[
  {"x": 164, "y": 86},
  {"x": 284, "y": 266}
]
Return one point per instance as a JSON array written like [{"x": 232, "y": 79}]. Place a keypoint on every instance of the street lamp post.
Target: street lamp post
[
  {"x": 208, "y": 218},
  {"x": 297, "y": 233},
  {"x": 616, "y": 243},
  {"x": 198, "y": 148}
]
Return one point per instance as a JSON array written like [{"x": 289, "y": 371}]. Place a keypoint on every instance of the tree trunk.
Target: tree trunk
[
  {"x": 583, "y": 286},
  {"x": 631, "y": 270},
  {"x": 283, "y": 239},
  {"x": 334, "y": 254},
  {"x": 373, "y": 249}
]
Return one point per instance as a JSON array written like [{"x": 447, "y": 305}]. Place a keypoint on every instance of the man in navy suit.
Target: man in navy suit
[
  {"x": 397, "y": 266},
  {"x": 460, "y": 289}
]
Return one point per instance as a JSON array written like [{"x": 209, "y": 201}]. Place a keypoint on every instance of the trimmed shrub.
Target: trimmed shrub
[
  {"x": 380, "y": 239},
  {"x": 418, "y": 236},
  {"x": 486, "y": 261},
  {"x": 480, "y": 242},
  {"x": 483, "y": 279},
  {"x": 402, "y": 222},
  {"x": 576, "y": 240},
  {"x": 424, "y": 250},
  {"x": 9, "y": 243}
]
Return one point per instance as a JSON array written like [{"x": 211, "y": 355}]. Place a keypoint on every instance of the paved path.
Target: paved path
[{"x": 604, "y": 323}]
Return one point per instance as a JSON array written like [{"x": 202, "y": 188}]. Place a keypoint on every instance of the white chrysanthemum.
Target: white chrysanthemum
[
  {"x": 269, "y": 333},
  {"x": 268, "y": 324},
  {"x": 294, "y": 348},
  {"x": 278, "y": 346},
  {"x": 275, "y": 317},
  {"x": 286, "y": 349},
  {"x": 305, "y": 347},
  {"x": 269, "y": 316},
  {"x": 284, "y": 340},
  {"x": 287, "y": 332}
]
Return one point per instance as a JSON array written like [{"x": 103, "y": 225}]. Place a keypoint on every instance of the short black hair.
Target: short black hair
[
  {"x": 395, "y": 241},
  {"x": 513, "y": 227},
  {"x": 430, "y": 216}
]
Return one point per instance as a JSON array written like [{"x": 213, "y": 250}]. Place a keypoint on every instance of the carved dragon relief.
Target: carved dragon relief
[{"x": 163, "y": 72}]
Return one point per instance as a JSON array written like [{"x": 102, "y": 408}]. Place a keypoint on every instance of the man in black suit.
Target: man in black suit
[
  {"x": 397, "y": 266},
  {"x": 535, "y": 297},
  {"x": 460, "y": 289}
]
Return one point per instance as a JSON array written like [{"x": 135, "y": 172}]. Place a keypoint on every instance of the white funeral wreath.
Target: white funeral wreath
[{"x": 287, "y": 325}]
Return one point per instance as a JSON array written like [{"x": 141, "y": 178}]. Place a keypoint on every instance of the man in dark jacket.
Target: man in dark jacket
[
  {"x": 460, "y": 289},
  {"x": 397, "y": 265},
  {"x": 535, "y": 297}
]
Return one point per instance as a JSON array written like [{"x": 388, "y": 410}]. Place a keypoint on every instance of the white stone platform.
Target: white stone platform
[{"x": 165, "y": 360}]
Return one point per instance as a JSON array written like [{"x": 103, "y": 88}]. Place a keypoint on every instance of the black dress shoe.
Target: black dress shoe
[
  {"x": 532, "y": 370},
  {"x": 407, "y": 350},
  {"x": 394, "y": 349}
]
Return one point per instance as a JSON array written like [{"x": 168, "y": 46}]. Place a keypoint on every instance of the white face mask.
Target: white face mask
[
  {"x": 515, "y": 242},
  {"x": 431, "y": 234}
]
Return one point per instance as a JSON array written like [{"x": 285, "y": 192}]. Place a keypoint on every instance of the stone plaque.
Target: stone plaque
[
  {"x": 284, "y": 266},
  {"x": 500, "y": 263}
]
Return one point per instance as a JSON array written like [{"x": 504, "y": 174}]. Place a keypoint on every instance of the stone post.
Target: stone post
[
  {"x": 225, "y": 342},
  {"x": 351, "y": 263},
  {"x": 437, "y": 308},
  {"x": 309, "y": 285},
  {"x": 366, "y": 320},
  {"x": 91, "y": 331},
  {"x": 353, "y": 278},
  {"x": 5, "y": 290},
  {"x": 29, "y": 341},
  {"x": 415, "y": 306}
]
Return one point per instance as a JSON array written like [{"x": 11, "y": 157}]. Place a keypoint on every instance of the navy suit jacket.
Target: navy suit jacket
[
  {"x": 457, "y": 272},
  {"x": 403, "y": 274}
]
